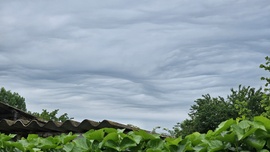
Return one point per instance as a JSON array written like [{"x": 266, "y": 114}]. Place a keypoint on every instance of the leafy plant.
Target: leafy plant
[
  {"x": 12, "y": 99},
  {"x": 233, "y": 135}
]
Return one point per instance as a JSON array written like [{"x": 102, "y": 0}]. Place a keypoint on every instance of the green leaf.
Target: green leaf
[
  {"x": 200, "y": 148},
  {"x": 136, "y": 138},
  {"x": 185, "y": 146},
  {"x": 68, "y": 147},
  {"x": 32, "y": 137},
  {"x": 26, "y": 144},
  {"x": 16, "y": 145},
  {"x": 95, "y": 135},
  {"x": 120, "y": 131},
  {"x": 145, "y": 135},
  {"x": 239, "y": 131},
  {"x": 95, "y": 146},
  {"x": 268, "y": 143},
  {"x": 172, "y": 148},
  {"x": 173, "y": 141},
  {"x": 249, "y": 132},
  {"x": 110, "y": 130},
  {"x": 244, "y": 124},
  {"x": 258, "y": 125},
  {"x": 4, "y": 137},
  {"x": 265, "y": 121},
  {"x": 261, "y": 134},
  {"x": 196, "y": 138},
  {"x": 111, "y": 144},
  {"x": 215, "y": 145},
  {"x": 36, "y": 150},
  {"x": 249, "y": 128},
  {"x": 46, "y": 143},
  {"x": 227, "y": 136},
  {"x": 154, "y": 150},
  {"x": 127, "y": 143},
  {"x": 156, "y": 144},
  {"x": 112, "y": 136},
  {"x": 67, "y": 138},
  {"x": 256, "y": 143},
  {"x": 224, "y": 126},
  {"x": 82, "y": 143}
]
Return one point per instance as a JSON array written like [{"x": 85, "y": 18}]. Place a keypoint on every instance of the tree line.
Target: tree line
[{"x": 208, "y": 112}]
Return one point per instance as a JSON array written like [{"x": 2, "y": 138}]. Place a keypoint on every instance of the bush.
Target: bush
[{"x": 231, "y": 135}]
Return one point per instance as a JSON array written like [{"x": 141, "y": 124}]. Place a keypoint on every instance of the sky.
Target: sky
[{"x": 134, "y": 62}]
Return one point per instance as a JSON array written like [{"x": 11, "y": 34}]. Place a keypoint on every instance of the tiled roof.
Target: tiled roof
[
  {"x": 9, "y": 112},
  {"x": 13, "y": 120},
  {"x": 34, "y": 126}
]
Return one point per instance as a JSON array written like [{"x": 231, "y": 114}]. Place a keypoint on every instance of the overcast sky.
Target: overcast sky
[{"x": 138, "y": 62}]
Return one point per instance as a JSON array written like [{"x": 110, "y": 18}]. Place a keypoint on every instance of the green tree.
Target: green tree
[
  {"x": 184, "y": 128},
  {"x": 46, "y": 115},
  {"x": 208, "y": 112},
  {"x": 266, "y": 67},
  {"x": 12, "y": 99},
  {"x": 247, "y": 101},
  {"x": 17, "y": 101},
  {"x": 265, "y": 103}
]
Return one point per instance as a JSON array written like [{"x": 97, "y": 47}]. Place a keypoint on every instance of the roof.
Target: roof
[
  {"x": 12, "y": 113},
  {"x": 24, "y": 126},
  {"x": 13, "y": 120}
]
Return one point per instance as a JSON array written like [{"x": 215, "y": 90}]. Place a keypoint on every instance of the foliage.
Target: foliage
[
  {"x": 12, "y": 99},
  {"x": 17, "y": 101},
  {"x": 208, "y": 112},
  {"x": 247, "y": 101},
  {"x": 46, "y": 115},
  {"x": 266, "y": 67},
  {"x": 265, "y": 103},
  {"x": 230, "y": 136}
]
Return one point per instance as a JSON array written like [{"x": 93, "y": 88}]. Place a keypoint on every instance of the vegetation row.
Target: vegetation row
[{"x": 230, "y": 136}]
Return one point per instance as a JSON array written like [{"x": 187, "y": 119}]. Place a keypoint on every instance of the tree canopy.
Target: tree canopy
[
  {"x": 46, "y": 115},
  {"x": 17, "y": 101},
  {"x": 208, "y": 112},
  {"x": 266, "y": 67},
  {"x": 245, "y": 103},
  {"x": 12, "y": 99}
]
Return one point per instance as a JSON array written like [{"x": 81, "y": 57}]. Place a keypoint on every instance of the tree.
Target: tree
[
  {"x": 208, "y": 112},
  {"x": 266, "y": 97},
  {"x": 12, "y": 99},
  {"x": 246, "y": 102},
  {"x": 46, "y": 115},
  {"x": 266, "y": 67},
  {"x": 17, "y": 101}
]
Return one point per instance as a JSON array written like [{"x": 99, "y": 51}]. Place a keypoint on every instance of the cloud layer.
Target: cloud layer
[{"x": 139, "y": 62}]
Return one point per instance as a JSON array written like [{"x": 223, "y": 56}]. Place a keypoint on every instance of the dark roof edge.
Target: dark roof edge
[{"x": 23, "y": 113}]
